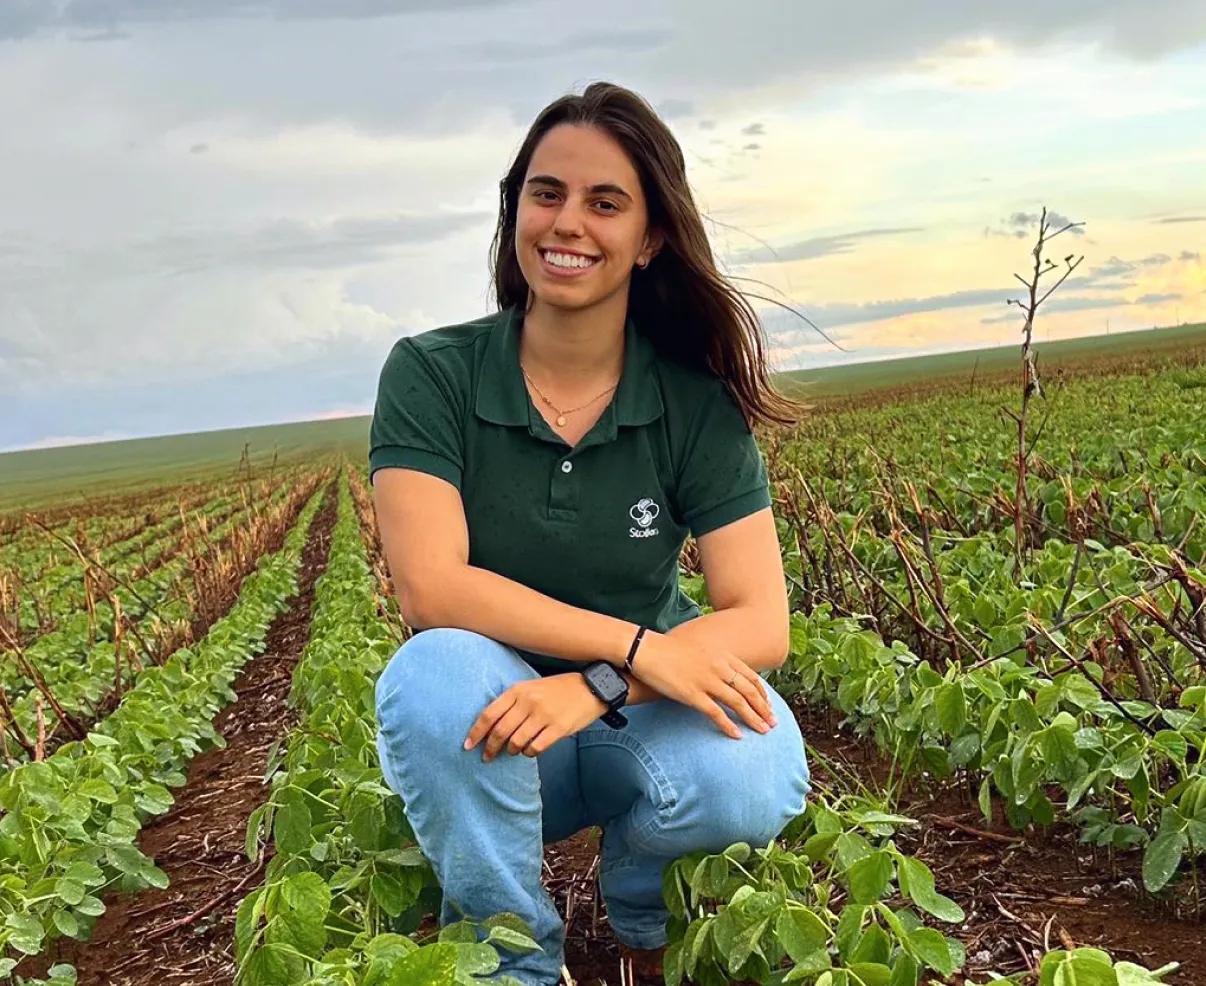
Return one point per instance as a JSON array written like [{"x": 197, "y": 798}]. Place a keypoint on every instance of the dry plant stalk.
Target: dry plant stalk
[
  {"x": 40, "y": 748},
  {"x": 1031, "y": 385}
]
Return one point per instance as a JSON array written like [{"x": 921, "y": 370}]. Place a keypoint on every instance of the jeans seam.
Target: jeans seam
[{"x": 667, "y": 795}]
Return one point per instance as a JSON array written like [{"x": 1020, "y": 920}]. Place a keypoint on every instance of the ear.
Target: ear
[{"x": 654, "y": 241}]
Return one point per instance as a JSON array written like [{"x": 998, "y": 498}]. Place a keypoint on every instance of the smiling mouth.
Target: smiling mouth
[{"x": 567, "y": 263}]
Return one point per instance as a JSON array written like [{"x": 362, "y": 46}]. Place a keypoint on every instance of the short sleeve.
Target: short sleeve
[
  {"x": 415, "y": 422},
  {"x": 722, "y": 477}
]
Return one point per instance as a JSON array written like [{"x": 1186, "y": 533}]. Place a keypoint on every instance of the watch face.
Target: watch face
[{"x": 608, "y": 682}]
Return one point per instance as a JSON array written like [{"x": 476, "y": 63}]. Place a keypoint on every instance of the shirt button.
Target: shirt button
[{"x": 567, "y": 466}]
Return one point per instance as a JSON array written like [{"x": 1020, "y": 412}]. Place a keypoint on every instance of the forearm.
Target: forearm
[
  {"x": 476, "y": 599},
  {"x": 748, "y": 634}
]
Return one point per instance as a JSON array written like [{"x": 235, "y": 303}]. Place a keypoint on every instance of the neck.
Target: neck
[{"x": 574, "y": 349}]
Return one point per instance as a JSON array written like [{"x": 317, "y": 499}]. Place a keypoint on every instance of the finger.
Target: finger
[
  {"x": 527, "y": 731},
  {"x": 735, "y": 699},
  {"x": 502, "y": 731},
  {"x": 542, "y": 741},
  {"x": 714, "y": 712},
  {"x": 489, "y": 716},
  {"x": 751, "y": 685}
]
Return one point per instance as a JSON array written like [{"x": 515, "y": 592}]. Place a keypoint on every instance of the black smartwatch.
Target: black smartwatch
[{"x": 609, "y": 686}]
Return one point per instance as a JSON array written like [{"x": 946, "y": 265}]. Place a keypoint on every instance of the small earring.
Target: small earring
[{"x": 642, "y": 264}]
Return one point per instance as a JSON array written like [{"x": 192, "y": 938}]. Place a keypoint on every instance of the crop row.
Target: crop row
[
  {"x": 1021, "y": 730},
  {"x": 83, "y": 662},
  {"x": 65, "y": 589},
  {"x": 71, "y": 822},
  {"x": 1127, "y": 460}
]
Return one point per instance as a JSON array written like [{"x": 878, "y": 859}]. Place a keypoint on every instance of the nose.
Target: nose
[{"x": 570, "y": 219}]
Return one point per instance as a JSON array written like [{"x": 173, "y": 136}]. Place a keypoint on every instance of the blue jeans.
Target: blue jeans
[{"x": 667, "y": 784}]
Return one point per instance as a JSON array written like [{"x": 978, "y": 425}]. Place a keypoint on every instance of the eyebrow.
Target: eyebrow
[{"x": 604, "y": 188}]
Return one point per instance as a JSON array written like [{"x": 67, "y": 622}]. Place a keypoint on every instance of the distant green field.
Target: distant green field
[
  {"x": 858, "y": 378},
  {"x": 112, "y": 467},
  {"x": 117, "y": 467}
]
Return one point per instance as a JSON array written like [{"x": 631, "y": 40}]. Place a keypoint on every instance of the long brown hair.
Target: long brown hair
[{"x": 680, "y": 301}]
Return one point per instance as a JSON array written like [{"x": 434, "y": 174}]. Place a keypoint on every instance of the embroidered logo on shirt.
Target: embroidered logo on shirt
[{"x": 644, "y": 512}]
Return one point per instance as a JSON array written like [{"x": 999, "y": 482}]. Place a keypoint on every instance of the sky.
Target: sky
[{"x": 219, "y": 213}]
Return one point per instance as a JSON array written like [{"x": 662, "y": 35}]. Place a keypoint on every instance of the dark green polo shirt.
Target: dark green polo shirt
[{"x": 599, "y": 525}]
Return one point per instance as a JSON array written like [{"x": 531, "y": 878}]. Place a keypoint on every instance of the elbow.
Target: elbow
[
  {"x": 414, "y": 605},
  {"x": 779, "y": 649}
]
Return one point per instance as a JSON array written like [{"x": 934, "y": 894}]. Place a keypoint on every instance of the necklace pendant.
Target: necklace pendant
[{"x": 561, "y": 421}]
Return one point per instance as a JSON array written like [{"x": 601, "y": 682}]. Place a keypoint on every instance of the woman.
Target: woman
[{"x": 535, "y": 475}]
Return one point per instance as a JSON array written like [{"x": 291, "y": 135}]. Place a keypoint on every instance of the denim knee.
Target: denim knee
[
  {"x": 733, "y": 791},
  {"x": 440, "y": 680}
]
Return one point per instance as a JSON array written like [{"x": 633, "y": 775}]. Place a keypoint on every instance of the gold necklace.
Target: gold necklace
[{"x": 560, "y": 413}]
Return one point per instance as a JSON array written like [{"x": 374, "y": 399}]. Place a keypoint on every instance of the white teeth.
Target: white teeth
[{"x": 567, "y": 260}]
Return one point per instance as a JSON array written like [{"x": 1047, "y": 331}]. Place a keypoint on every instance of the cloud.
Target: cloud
[
  {"x": 24, "y": 18},
  {"x": 628, "y": 41},
  {"x": 1021, "y": 225},
  {"x": 1072, "y": 303},
  {"x": 786, "y": 328},
  {"x": 1183, "y": 219},
  {"x": 817, "y": 246},
  {"x": 1117, "y": 267},
  {"x": 1156, "y": 299},
  {"x": 1189, "y": 255},
  {"x": 754, "y": 130}
]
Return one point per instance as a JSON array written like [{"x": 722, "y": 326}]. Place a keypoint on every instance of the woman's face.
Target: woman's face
[{"x": 582, "y": 222}]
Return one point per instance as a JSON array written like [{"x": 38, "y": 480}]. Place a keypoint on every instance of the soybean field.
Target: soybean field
[{"x": 998, "y": 660}]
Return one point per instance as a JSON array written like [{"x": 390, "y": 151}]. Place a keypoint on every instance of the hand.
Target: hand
[
  {"x": 530, "y": 717},
  {"x": 704, "y": 678}
]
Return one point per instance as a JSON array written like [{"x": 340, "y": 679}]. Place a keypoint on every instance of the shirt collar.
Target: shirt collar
[{"x": 502, "y": 395}]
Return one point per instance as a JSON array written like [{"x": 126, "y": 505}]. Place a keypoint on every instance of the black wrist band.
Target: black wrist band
[{"x": 636, "y": 642}]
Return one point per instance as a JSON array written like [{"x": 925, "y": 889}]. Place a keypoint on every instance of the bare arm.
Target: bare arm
[
  {"x": 743, "y": 571},
  {"x": 426, "y": 542}
]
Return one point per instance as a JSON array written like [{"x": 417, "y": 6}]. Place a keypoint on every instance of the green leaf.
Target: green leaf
[
  {"x": 90, "y": 906},
  {"x": 800, "y": 931},
  {"x": 1172, "y": 743},
  {"x": 291, "y": 827},
  {"x": 986, "y": 800},
  {"x": 70, "y": 891},
  {"x": 98, "y": 790},
  {"x": 27, "y": 933},
  {"x": 458, "y": 933},
  {"x": 920, "y": 882},
  {"x": 67, "y": 923},
  {"x": 672, "y": 891},
  {"x": 951, "y": 707},
  {"x": 869, "y": 877},
  {"x": 269, "y": 966},
  {"x": 1130, "y": 974},
  {"x": 300, "y": 915},
  {"x": 872, "y": 973},
  {"x": 672, "y": 964},
  {"x": 930, "y": 946},
  {"x": 431, "y": 965},
  {"x": 905, "y": 971},
  {"x": 745, "y": 942},
  {"x": 1161, "y": 859},
  {"x": 476, "y": 959},
  {"x": 874, "y": 946},
  {"x": 511, "y": 940},
  {"x": 1082, "y": 967}
]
